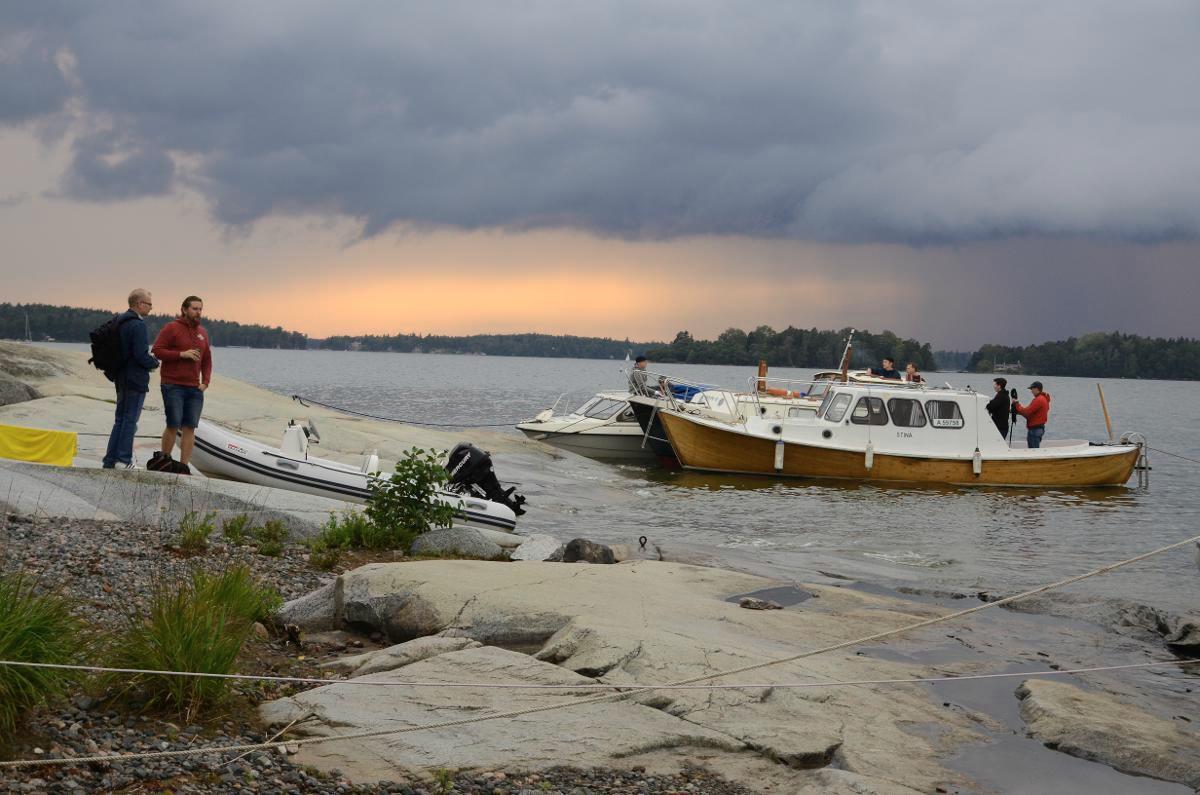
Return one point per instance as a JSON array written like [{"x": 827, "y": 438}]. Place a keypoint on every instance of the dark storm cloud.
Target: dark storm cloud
[{"x": 854, "y": 121}]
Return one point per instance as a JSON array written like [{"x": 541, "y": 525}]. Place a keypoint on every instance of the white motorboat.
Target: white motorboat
[
  {"x": 473, "y": 489},
  {"x": 604, "y": 427}
]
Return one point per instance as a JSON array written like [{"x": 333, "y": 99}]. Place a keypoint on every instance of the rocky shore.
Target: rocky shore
[{"x": 106, "y": 539}]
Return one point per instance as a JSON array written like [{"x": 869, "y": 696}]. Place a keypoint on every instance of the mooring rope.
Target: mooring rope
[
  {"x": 634, "y": 690},
  {"x": 589, "y": 686},
  {"x": 305, "y": 401},
  {"x": 1173, "y": 455}
]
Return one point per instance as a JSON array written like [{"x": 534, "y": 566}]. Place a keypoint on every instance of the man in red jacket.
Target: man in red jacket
[
  {"x": 1035, "y": 414},
  {"x": 186, "y": 355}
]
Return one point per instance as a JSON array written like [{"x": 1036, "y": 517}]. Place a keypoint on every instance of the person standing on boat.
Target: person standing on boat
[
  {"x": 637, "y": 377},
  {"x": 912, "y": 375},
  {"x": 1035, "y": 414},
  {"x": 132, "y": 380},
  {"x": 186, "y": 355},
  {"x": 1000, "y": 406},
  {"x": 887, "y": 370}
]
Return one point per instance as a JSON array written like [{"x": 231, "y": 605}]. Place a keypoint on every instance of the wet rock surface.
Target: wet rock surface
[{"x": 1101, "y": 728}]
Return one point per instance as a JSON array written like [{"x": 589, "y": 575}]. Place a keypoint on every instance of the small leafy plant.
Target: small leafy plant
[
  {"x": 403, "y": 507},
  {"x": 34, "y": 627},
  {"x": 194, "y": 531},
  {"x": 236, "y": 529},
  {"x": 270, "y": 538}
]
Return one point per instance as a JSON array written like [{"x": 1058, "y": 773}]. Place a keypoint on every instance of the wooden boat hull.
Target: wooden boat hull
[{"x": 705, "y": 447}]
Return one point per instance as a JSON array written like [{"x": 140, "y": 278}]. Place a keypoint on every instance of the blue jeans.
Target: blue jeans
[
  {"x": 125, "y": 420},
  {"x": 1033, "y": 437},
  {"x": 182, "y": 405}
]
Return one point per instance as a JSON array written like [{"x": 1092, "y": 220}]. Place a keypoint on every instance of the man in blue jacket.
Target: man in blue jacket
[{"x": 133, "y": 380}]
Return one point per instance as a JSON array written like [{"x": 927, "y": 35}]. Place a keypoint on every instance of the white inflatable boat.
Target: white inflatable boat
[{"x": 473, "y": 489}]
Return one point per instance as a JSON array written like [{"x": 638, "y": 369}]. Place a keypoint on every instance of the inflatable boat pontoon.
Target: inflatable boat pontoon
[{"x": 473, "y": 488}]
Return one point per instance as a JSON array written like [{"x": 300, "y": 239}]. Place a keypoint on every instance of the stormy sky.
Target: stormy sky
[{"x": 959, "y": 172}]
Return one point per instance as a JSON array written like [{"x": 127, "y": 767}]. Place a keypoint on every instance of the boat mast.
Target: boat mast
[
  {"x": 28, "y": 336},
  {"x": 845, "y": 367}
]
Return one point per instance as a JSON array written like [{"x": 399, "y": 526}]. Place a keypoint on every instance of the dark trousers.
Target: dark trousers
[{"x": 125, "y": 420}]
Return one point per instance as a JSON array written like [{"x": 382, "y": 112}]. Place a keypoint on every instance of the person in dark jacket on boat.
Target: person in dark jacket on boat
[
  {"x": 1036, "y": 414},
  {"x": 637, "y": 377},
  {"x": 1000, "y": 406},
  {"x": 132, "y": 381},
  {"x": 887, "y": 370}
]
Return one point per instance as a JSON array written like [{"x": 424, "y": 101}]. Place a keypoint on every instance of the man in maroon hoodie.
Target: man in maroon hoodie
[{"x": 183, "y": 348}]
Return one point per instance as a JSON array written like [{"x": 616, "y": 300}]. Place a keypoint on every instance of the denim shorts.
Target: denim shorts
[{"x": 182, "y": 405}]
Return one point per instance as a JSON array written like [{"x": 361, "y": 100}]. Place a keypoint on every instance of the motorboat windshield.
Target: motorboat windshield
[{"x": 601, "y": 408}]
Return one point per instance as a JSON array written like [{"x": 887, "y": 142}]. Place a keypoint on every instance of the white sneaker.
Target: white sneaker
[{"x": 131, "y": 465}]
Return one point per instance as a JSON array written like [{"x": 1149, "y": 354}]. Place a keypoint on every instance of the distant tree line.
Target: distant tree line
[
  {"x": 952, "y": 360},
  {"x": 546, "y": 345},
  {"x": 1099, "y": 355},
  {"x": 794, "y": 347},
  {"x": 72, "y": 324}
]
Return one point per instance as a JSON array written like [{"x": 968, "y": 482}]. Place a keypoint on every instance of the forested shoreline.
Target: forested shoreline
[{"x": 1095, "y": 355}]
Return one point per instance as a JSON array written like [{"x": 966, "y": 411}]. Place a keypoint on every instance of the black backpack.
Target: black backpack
[{"x": 107, "y": 355}]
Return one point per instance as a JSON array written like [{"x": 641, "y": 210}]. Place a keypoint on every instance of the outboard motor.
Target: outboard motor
[{"x": 471, "y": 472}]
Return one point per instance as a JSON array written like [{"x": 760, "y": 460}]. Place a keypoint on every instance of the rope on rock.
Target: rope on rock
[
  {"x": 635, "y": 690},
  {"x": 599, "y": 686}
]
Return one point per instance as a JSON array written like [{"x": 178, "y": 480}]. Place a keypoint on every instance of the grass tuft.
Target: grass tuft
[
  {"x": 34, "y": 627},
  {"x": 194, "y": 531},
  {"x": 199, "y": 625}
]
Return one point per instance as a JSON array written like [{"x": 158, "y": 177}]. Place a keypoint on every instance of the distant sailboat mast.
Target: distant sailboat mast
[{"x": 28, "y": 336}]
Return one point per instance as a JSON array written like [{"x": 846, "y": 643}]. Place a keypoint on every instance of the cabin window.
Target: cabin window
[
  {"x": 906, "y": 413},
  {"x": 944, "y": 414},
  {"x": 604, "y": 409},
  {"x": 869, "y": 411},
  {"x": 837, "y": 408}
]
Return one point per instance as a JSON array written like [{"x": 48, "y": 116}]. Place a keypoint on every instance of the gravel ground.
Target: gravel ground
[{"x": 111, "y": 568}]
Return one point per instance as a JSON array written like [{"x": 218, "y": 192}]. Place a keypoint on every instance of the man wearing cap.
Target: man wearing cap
[
  {"x": 1035, "y": 414},
  {"x": 637, "y": 377}
]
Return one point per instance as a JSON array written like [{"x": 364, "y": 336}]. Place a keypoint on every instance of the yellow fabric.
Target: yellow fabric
[{"x": 35, "y": 444}]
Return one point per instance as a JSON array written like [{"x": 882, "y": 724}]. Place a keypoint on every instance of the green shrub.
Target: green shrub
[
  {"x": 236, "y": 529},
  {"x": 199, "y": 625},
  {"x": 194, "y": 531},
  {"x": 323, "y": 557},
  {"x": 270, "y": 537},
  {"x": 404, "y": 507},
  {"x": 34, "y": 627}
]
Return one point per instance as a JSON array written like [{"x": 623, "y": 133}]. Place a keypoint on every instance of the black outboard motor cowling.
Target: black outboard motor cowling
[{"x": 471, "y": 472}]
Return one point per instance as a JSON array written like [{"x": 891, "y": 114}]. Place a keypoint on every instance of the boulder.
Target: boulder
[
  {"x": 14, "y": 391},
  {"x": 1101, "y": 728},
  {"x": 580, "y": 550},
  {"x": 398, "y": 656},
  {"x": 464, "y": 542},
  {"x": 314, "y": 612},
  {"x": 537, "y": 546}
]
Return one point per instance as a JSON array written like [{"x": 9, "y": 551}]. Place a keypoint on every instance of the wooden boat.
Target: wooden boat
[{"x": 902, "y": 433}]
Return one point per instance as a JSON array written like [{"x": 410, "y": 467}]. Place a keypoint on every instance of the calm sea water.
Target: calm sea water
[{"x": 959, "y": 539}]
